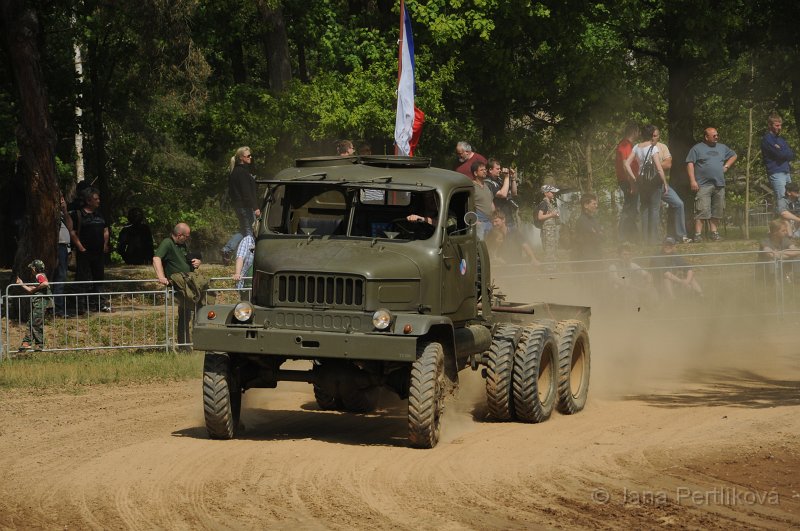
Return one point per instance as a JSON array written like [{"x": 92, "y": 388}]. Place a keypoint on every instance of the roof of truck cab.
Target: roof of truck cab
[{"x": 378, "y": 170}]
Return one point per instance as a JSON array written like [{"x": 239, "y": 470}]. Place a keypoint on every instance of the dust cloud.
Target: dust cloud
[{"x": 661, "y": 347}]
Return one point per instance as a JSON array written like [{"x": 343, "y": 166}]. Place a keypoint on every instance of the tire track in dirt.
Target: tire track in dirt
[{"x": 138, "y": 457}]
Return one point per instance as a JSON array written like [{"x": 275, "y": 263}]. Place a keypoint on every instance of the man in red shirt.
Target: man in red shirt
[
  {"x": 628, "y": 231},
  {"x": 466, "y": 157}
]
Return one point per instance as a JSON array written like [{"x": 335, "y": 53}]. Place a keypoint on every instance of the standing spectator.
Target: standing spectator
[
  {"x": 484, "y": 201},
  {"x": 789, "y": 209},
  {"x": 39, "y": 304},
  {"x": 62, "y": 260},
  {"x": 629, "y": 217},
  {"x": 547, "y": 220},
  {"x": 244, "y": 197},
  {"x": 503, "y": 184},
  {"x": 344, "y": 148},
  {"x": 90, "y": 240},
  {"x": 135, "y": 243},
  {"x": 650, "y": 191},
  {"x": 588, "y": 235},
  {"x": 244, "y": 261},
  {"x": 706, "y": 165},
  {"x": 466, "y": 158},
  {"x": 174, "y": 265},
  {"x": 677, "y": 211},
  {"x": 675, "y": 273},
  {"x": 776, "y": 154}
]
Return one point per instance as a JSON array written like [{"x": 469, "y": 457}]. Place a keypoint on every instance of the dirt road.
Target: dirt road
[{"x": 676, "y": 433}]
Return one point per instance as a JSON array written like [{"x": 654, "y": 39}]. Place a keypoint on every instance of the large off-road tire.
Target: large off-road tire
[
  {"x": 222, "y": 395},
  {"x": 361, "y": 400},
  {"x": 327, "y": 401},
  {"x": 500, "y": 372},
  {"x": 574, "y": 366},
  {"x": 535, "y": 374},
  {"x": 426, "y": 397}
]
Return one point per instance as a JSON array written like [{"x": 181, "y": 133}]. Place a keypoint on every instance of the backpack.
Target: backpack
[{"x": 648, "y": 173}]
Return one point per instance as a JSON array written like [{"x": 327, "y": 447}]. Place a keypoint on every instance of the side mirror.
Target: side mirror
[{"x": 471, "y": 218}]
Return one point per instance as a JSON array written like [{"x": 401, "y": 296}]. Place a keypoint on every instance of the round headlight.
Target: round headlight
[
  {"x": 381, "y": 319},
  {"x": 243, "y": 311}
]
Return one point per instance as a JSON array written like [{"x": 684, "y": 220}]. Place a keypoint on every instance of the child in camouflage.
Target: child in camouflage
[{"x": 38, "y": 306}]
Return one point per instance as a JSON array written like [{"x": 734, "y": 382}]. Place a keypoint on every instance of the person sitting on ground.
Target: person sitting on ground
[
  {"x": 777, "y": 247},
  {"x": 789, "y": 209},
  {"x": 507, "y": 246},
  {"x": 677, "y": 276},
  {"x": 35, "y": 333},
  {"x": 627, "y": 274}
]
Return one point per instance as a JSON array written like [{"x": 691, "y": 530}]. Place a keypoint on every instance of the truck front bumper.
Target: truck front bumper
[{"x": 304, "y": 344}]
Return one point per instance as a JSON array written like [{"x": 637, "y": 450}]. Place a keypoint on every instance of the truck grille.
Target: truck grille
[{"x": 328, "y": 290}]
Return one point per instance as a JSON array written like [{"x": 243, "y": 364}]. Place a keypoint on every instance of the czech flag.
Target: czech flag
[{"x": 409, "y": 119}]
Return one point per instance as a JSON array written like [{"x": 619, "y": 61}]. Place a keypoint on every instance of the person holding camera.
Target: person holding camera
[
  {"x": 503, "y": 184},
  {"x": 175, "y": 265}
]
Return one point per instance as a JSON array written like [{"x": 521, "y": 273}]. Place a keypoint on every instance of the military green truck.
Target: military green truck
[{"x": 371, "y": 269}]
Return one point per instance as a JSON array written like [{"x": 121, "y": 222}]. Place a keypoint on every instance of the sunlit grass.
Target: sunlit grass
[{"x": 72, "y": 370}]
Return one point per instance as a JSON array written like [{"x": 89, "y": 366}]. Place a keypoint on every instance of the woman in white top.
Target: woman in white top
[{"x": 649, "y": 193}]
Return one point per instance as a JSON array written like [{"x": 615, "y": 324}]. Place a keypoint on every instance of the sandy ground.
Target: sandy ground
[{"x": 697, "y": 430}]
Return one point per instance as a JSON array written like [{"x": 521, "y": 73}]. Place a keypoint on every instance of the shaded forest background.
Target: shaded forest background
[{"x": 167, "y": 91}]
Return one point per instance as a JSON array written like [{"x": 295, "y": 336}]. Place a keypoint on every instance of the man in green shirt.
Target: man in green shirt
[{"x": 174, "y": 267}]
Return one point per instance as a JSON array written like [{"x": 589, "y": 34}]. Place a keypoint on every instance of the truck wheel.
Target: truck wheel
[
  {"x": 574, "y": 366},
  {"x": 426, "y": 397},
  {"x": 361, "y": 400},
  {"x": 222, "y": 396},
  {"x": 500, "y": 373},
  {"x": 327, "y": 401},
  {"x": 535, "y": 375}
]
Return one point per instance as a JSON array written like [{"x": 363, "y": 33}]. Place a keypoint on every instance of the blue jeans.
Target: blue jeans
[
  {"x": 650, "y": 205},
  {"x": 676, "y": 212},
  {"x": 628, "y": 230},
  {"x": 246, "y": 217},
  {"x": 778, "y": 182}
]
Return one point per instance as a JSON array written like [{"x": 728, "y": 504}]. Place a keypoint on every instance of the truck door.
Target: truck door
[{"x": 459, "y": 261}]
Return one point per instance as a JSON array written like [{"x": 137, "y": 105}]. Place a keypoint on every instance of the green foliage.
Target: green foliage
[{"x": 170, "y": 90}]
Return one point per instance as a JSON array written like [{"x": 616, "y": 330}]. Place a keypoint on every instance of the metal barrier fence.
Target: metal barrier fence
[
  {"x": 143, "y": 314},
  {"x": 112, "y": 314},
  {"x": 734, "y": 284}
]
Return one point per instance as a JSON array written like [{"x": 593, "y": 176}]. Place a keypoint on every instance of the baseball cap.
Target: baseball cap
[
  {"x": 549, "y": 188},
  {"x": 669, "y": 241},
  {"x": 37, "y": 266}
]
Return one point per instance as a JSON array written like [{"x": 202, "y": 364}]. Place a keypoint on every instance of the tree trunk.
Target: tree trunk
[
  {"x": 36, "y": 138},
  {"x": 100, "y": 156},
  {"x": 680, "y": 123},
  {"x": 277, "y": 47}
]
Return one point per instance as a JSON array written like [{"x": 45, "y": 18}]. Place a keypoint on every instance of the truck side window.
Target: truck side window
[{"x": 456, "y": 210}]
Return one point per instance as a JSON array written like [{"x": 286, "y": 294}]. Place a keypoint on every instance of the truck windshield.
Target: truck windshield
[{"x": 350, "y": 211}]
